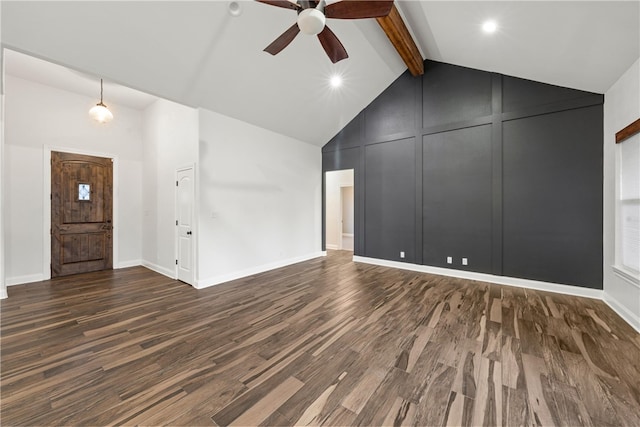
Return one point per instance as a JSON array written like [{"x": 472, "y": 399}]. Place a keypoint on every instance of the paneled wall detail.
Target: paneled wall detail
[
  {"x": 456, "y": 210},
  {"x": 389, "y": 201},
  {"x": 463, "y": 163}
]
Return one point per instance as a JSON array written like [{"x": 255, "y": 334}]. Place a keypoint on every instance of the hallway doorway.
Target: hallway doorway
[{"x": 339, "y": 214}]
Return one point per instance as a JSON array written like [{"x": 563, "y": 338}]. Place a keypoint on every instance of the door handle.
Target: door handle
[{"x": 189, "y": 233}]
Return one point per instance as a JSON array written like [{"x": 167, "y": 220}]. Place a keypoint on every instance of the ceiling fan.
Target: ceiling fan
[{"x": 312, "y": 17}]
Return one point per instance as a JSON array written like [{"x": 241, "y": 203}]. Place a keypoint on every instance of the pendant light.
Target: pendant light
[{"x": 100, "y": 112}]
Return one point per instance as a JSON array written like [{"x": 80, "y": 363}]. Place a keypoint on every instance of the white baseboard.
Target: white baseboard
[
  {"x": 333, "y": 247},
  {"x": 3, "y": 293},
  {"x": 631, "y": 318},
  {"x": 627, "y": 276},
  {"x": 223, "y": 278},
  {"x": 30, "y": 278},
  {"x": 127, "y": 264},
  {"x": 20, "y": 280},
  {"x": 483, "y": 277},
  {"x": 159, "y": 269},
  {"x": 627, "y": 315}
]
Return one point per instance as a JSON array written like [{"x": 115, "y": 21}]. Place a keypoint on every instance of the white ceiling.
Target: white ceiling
[
  {"x": 197, "y": 54},
  {"x": 50, "y": 74}
]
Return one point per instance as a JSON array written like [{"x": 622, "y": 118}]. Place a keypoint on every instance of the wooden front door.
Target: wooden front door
[{"x": 81, "y": 213}]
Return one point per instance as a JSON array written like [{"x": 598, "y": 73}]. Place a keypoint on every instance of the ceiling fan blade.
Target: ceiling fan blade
[
  {"x": 281, "y": 3},
  {"x": 335, "y": 50},
  {"x": 283, "y": 41},
  {"x": 357, "y": 9}
]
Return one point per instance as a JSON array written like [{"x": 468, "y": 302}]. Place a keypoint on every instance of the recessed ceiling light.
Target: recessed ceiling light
[
  {"x": 336, "y": 81},
  {"x": 489, "y": 27}
]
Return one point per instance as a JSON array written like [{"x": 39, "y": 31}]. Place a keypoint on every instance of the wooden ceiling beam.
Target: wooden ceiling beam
[{"x": 395, "y": 28}]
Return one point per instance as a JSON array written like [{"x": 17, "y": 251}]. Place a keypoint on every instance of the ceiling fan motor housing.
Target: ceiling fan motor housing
[{"x": 311, "y": 21}]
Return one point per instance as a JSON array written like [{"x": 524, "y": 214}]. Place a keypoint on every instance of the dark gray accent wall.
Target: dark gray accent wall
[
  {"x": 457, "y": 204},
  {"x": 389, "y": 200},
  {"x": 464, "y": 163},
  {"x": 447, "y": 87},
  {"x": 553, "y": 197}
]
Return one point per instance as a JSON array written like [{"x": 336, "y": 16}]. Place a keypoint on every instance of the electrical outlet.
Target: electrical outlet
[
  {"x": 465, "y": 261},
  {"x": 401, "y": 254},
  {"x": 449, "y": 260}
]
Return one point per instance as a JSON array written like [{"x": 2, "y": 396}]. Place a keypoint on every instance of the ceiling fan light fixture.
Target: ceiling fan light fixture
[
  {"x": 312, "y": 18},
  {"x": 311, "y": 21},
  {"x": 100, "y": 112}
]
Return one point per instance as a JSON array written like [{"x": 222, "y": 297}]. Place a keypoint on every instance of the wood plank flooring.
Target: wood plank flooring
[{"x": 324, "y": 342}]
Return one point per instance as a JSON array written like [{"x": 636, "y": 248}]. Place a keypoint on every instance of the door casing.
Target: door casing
[
  {"x": 46, "y": 167},
  {"x": 192, "y": 280},
  {"x": 342, "y": 216},
  {"x": 82, "y": 229},
  {"x": 326, "y": 192}
]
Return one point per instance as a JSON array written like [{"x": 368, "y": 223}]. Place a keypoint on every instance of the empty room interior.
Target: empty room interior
[{"x": 292, "y": 212}]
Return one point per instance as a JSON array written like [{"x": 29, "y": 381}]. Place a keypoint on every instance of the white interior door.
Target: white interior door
[{"x": 185, "y": 198}]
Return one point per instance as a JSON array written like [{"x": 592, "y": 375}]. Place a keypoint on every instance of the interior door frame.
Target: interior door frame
[
  {"x": 46, "y": 167},
  {"x": 194, "y": 224},
  {"x": 340, "y": 216},
  {"x": 3, "y": 283},
  {"x": 353, "y": 201}
]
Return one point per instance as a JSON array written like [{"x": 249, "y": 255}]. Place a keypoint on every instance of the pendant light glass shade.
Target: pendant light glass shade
[{"x": 100, "y": 112}]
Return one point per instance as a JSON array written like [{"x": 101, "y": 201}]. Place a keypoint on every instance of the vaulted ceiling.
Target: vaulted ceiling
[{"x": 198, "y": 54}]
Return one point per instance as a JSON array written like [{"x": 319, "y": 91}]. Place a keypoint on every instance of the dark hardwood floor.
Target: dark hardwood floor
[{"x": 325, "y": 342}]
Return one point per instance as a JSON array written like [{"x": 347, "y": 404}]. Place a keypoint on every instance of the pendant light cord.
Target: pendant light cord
[{"x": 100, "y": 112}]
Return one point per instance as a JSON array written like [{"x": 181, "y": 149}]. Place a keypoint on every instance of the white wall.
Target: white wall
[
  {"x": 170, "y": 140},
  {"x": 265, "y": 187},
  {"x": 3, "y": 286},
  {"x": 621, "y": 107},
  {"x": 40, "y": 118},
  {"x": 348, "y": 199},
  {"x": 333, "y": 181},
  {"x": 260, "y": 199}
]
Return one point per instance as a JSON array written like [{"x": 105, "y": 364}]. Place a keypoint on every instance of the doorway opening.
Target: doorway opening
[{"x": 339, "y": 213}]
